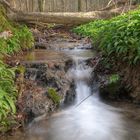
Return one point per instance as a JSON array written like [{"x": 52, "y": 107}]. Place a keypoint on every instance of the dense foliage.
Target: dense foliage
[
  {"x": 21, "y": 39},
  {"x": 117, "y": 38},
  {"x": 8, "y": 95}
]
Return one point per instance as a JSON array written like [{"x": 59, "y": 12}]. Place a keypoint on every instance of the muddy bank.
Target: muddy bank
[{"x": 125, "y": 87}]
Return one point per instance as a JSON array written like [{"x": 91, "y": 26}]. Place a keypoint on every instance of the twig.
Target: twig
[{"x": 83, "y": 101}]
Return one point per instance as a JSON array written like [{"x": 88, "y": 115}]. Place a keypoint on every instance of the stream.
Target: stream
[{"x": 89, "y": 119}]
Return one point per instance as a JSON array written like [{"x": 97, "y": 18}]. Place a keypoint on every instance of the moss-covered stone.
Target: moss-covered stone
[
  {"x": 111, "y": 88},
  {"x": 54, "y": 96}
]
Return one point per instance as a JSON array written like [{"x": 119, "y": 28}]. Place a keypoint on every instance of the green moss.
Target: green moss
[
  {"x": 114, "y": 78},
  {"x": 54, "y": 95},
  {"x": 21, "y": 69},
  {"x": 112, "y": 88},
  {"x": 114, "y": 83}
]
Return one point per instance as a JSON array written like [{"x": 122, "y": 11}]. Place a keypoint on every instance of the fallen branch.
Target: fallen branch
[
  {"x": 62, "y": 18},
  {"x": 115, "y": 4}
]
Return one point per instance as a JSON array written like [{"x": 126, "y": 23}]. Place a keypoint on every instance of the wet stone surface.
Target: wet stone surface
[{"x": 47, "y": 68}]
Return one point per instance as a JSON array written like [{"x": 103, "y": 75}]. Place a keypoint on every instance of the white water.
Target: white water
[{"x": 85, "y": 120}]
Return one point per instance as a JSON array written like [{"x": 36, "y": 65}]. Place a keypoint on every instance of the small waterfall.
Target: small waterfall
[
  {"x": 81, "y": 73},
  {"x": 89, "y": 119}
]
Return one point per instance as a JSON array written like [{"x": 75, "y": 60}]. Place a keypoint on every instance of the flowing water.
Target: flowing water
[{"x": 89, "y": 119}]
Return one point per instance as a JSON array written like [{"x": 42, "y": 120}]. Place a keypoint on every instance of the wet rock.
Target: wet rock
[
  {"x": 110, "y": 90},
  {"x": 41, "y": 45},
  {"x": 70, "y": 95},
  {"x": 116, "y": 91},
  {"x": 51, "y": 74},
  {"x": 47, "y": 67},
  {"x": 38, "y": 105}
]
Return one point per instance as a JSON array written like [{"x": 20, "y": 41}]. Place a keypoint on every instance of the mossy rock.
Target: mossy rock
[
  {"x": 112, "y": 88},
  {"x": 53, "y": 95}
]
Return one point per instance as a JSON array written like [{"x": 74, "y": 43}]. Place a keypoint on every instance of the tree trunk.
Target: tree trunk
[
  {"x": 67, "y": 17},
  {"x": 62, "y": 18}
]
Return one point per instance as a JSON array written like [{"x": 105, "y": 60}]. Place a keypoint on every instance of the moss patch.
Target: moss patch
[
  {"x": 54, "y": 96},
  {"x": 112, "y": 88}
]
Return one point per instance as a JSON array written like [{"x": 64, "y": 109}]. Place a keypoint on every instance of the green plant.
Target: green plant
[
  {"x": 54, "y": 95},
  {"x": 114, "y": 78},
  {"x": 118, "y": 38},
  {"x": 8, "y": 94},
  {"x": 22, "y": 39}
]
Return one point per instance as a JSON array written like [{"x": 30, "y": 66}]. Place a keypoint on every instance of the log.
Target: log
[
  {"x": 62, "y": 18},
  {"x": 70, "y": 18}
]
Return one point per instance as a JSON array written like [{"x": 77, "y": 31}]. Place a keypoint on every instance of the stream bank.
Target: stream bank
[
  {"x": 120, "y": 55},
  {"x": 91, "y": 118},
  {"x": 44, "y": 70}
]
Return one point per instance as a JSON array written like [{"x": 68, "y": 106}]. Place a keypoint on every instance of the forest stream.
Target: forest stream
[
  {"x": 70, "y": 70},
  {"x": 87, "y": 117}
]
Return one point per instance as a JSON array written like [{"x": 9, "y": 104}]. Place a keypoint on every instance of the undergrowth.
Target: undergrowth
[
  {"x": 8, "y": 94},
  {"x": 117, "y": 38},
  {"x": 21, "y": 39}
]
